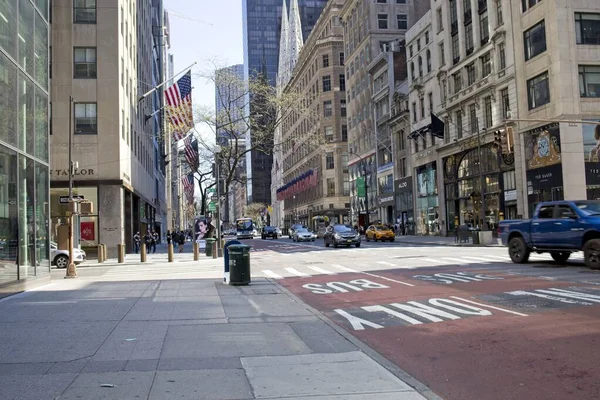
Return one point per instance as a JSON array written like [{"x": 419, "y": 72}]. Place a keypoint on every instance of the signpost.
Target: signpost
[{"x": 65, "y": 199}]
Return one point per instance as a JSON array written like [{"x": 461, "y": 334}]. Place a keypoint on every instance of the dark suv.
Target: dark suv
[
  {"x": 269, "y": 231},
  {"x": 341, "y": 235}
]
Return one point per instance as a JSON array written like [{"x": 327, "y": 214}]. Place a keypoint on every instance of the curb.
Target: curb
[{"x": 398, "y": 372}]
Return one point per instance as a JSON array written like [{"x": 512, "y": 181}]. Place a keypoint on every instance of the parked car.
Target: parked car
[
  {"x": 303, "y": 235},
  {"x": 269, "y": 231},
  {"x": 293, "y": 229},
  {"x": 341, "y": 235},
  {"x": 379, "y": 232},
  {"x": 60, "y": 258},
  {"x": 559, "y": 228}
]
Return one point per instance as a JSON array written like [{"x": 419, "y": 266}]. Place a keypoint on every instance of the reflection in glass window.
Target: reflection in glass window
[
  {"x": 589, "y": 81},
  {"x": 41, "y": 125},
  {"x": 84, "y": 62},
  {"x": 26, "y": 201},
  {"x": 84, "y": 11},
  {"x": 8, "y": 27},
  {"x": 41, "y": 51},
  {"x": 8, "y": 215},
  {"x": 42, "y": 239},
  {"x": 26, "y": 21},
  {"x": 26, "y": 130},
  {"x": 8, "y": 105},
  {"x": 86, "y": 120}
]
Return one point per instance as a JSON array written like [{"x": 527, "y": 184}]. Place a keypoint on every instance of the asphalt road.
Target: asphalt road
[{"x": 465, "y": 321}]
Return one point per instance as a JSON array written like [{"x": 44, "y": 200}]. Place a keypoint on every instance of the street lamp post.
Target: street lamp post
[
  {"x": 366, "y": 189},
  {"x": 481, "y": 183},
  {"x": 217, "y": 151},
  {"x": 71, "y": 268}
]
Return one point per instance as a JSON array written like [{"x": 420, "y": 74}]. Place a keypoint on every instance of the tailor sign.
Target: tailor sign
[{"x": 78, "y": 172}]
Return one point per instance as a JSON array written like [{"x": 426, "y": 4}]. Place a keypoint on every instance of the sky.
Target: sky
[{"x": 202, "y": 31}]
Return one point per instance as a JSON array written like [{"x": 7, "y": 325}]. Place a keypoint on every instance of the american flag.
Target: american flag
[
  {"x": 188, "y": 186},
  {"x": 191, "y": 152},
  {"x": 179, "y": 106}
]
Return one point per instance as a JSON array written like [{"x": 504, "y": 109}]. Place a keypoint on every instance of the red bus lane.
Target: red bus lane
[{"x": 471, "y": 334}]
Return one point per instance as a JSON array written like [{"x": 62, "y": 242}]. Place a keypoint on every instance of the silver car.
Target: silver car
[
  {"x": 60, "y": 258},
  {"x": 303, "y": 235}
]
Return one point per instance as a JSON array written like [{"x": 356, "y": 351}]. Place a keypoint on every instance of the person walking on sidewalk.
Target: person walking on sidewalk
[
  {"x": 136, "y": 242},
  {"x": 155, "y": 239},
  {"x": 181, "y": 240},
  {"x": 148, "y": 241}
]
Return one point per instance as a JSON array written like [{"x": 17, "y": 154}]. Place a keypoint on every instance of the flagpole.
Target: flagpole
[{"x": 163, "y": 83}]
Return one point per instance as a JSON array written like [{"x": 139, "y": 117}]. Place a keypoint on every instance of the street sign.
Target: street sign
[
  {"x": 65, "y": 199},
  {"x": 212, "y": 207},
  {"x": 214, "y": 198}
]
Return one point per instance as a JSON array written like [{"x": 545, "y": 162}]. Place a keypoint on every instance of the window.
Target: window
[
  {"x": 327, "y": 83},
  {"x": 427, "y": 37},
  {"x": 382, "y": 1},
  {"x": 525, "y": 4},
  {"x": 84, "y": 11},
  {"x": 329, "y": 161},
  {"x": 471, "y": 74},
  {"x": 589, "y": 81},
  {"x": 342, "y": 82},
  {"x": 402, "y": 169},
  {"x": 486, "y": 65},
  {"x": 342, "y": 59},
  {"x": 84, "y": 62},
  {"x": 402, "y": 21},
  {"x": 414, "y": 108},
  {"x": 327, "y": 108},
  {"x": 325, "y": 60},
  {"x": 418, "y": 44},
  {"x": 330, "y": 187},
  {"x": 440, "y": 20},
  {"x": 565, "y": 212},
  {"x": 329, "y": 133},
  {"x": 587, "y": 28},
  {"x": 469, "y": 38},
  {"x": 346, "y": 186},
  {"x": 459, "y": 125},
  {"x": 420, "y": 63},
  {"x": 453, "y": 17},
  {"x": 538, "y": 91},
  {"x": 428, "y": 61},
  {"x": 467, "y": 10},
  {"x": 344, "y": 160},
  {"x": 455, "y": 50},
  {"x": 412, "y": 70},
  {"x": 534, "y": 40},
  {"x": 442, "y": 55},
  {"x": 546, "y": 212},
  {"x": 400, "y": 1},
  {"x": 86, "y": 118},
  {"x": 410, "y": 50},
  {"x": 487, "y": 108},
  {"x": 344, "y": 133},
  {"x": 484, "y": 27},
  {"x": 457, "y": 82},
  {"x": 505, "y": 103},
  {"x": 502, "y": 55},
  {"x": 422, "y": 104},
  {"x": 382, "y": 21},
  {"x": 444, "y": 90},
  {"x": 343, "y": 108},
  {"x": 430, "y": 98},
  {"x": 499, "y": 17},
  {"x": 473, "y": 118}
]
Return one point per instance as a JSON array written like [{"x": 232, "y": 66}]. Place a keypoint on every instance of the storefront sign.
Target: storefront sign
[
  {"x": 404, "y": 185},
  {"x": 385, "y": 168},
  {"x": 387, "y": 199},
  {"x": 88, "y": 231},
  {"x": 78, "y": 172},
  {"x": 510, "y": 195},
  {"x": 545, "y": 178},
  {"x": 591, "y": 153}
]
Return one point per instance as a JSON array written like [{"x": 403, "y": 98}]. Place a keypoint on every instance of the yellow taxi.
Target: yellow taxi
[{"x": 379, "y": 232}]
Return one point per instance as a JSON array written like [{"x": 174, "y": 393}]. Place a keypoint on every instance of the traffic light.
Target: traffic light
[
  {"x": 498, "y": 140},
  {"x": 503, "y": 140}
]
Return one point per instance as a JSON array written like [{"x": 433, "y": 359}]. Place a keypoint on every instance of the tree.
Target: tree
[
  {"x": 240, "y": 129},
  {"x": 256, "y": 211}
]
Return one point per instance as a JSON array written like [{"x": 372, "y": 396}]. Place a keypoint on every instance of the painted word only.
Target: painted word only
[
  {"x": 357, "y": 285},
  {"x": 456, "y": 277}
]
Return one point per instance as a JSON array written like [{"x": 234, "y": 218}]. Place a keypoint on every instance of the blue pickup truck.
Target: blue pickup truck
[{"x": 559, "y": 228}]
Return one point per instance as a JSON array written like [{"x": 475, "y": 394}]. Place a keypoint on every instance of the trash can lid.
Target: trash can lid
[{"x": 239, "y": 247}]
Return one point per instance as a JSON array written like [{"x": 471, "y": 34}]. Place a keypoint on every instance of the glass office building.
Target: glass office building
[
  {"x": 262, "y": 26},
  {"x": 24, "y": 171}
]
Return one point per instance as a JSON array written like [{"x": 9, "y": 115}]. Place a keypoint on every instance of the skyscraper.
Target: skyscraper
[{"x": 262, "y": 27}]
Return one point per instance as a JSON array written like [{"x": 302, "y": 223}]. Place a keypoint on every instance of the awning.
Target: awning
[{"x": 436, "y": 128}]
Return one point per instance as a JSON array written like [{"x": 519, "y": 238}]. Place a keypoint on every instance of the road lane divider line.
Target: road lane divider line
[
  {"x": 492, "y": 307},
  {"x": 271, "y": 274},
  {"x": 344, "y": 268},
  {"x": 297, "y": 273},
  {"x": 321, "y": 270},
  {"x": 458, "y": 260},
  {"x": 386, "y": 263},
  {"x": 387, "y": 279}
]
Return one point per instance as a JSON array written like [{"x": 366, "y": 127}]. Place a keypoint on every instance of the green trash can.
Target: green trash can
[
  {"x": 209, "y": 246},
  {"x": 239, "y": 264}
]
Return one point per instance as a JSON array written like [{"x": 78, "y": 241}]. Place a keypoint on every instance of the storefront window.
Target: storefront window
[
  {"x": 8, "y": 215},
  {"x": 42, "y": 219},
  {"x": 8, "y": 105},
  {"x": 26, "y": 251},
  {"x": 427, "y": 200}
]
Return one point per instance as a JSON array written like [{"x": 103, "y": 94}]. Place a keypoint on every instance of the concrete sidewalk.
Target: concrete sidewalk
[{"x": 181, "y": 339}]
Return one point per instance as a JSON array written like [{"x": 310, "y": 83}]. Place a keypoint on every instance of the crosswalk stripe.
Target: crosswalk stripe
[
  {"x": 386, "y": 263},
  {"x": 476, "y": 258},
  {"x": 271, "y": 274},
  {"x": 296, "y": 272},
  {"x": 343, "y": 268},
  {"x": 458, "y": 260},
  {"x": 501, "y": 258},
  {"x": 321, "y": 270},
  {"x": 433, "y": 260}
]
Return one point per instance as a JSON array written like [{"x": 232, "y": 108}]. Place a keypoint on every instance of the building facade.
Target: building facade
[
  {"x": 557, "y": 58},
  {"x": 24, "y": 168},
  {"x": 262, "y": 25},
  {"x": 369, "y": 27},
  {"x": 319, "y": 79},
  {"x": 105, "y": 55}
]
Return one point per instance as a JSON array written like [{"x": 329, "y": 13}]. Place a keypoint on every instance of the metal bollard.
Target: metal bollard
[
  {"x": 121, "y": 253},
  {"x": 100, "y": 254},
  {"x": 170, "y": 252},
  {"x": 104, "y": 256},
  {"x": 196, "y": 251},
  {"x": 214, "y": 253},
  {"x": 143, "y": 252}
]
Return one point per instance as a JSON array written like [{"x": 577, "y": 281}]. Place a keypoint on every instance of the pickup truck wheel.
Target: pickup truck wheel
[
  {"x": 591, "y": 253},
  {"x": 518, "y": 250},
  {"x": 560, "y": 257}
]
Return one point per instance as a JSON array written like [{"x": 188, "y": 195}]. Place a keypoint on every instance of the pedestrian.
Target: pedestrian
[
  {"x": 169, "y": 237},
  {"x": 148, "y": 241},
  {"x": 136, "y": 242},
  {"x": 155, "y": 240},
  {"x": 181, "y": 241}
]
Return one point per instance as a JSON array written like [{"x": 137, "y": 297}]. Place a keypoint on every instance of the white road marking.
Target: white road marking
[
  {"x": 321, "y": 270},
  {"x": 501, "y": 258},
  {"x": 492, "y": 307},
  {"x": 476, "y": 258},
  {"x": 458, "y": 260},
  {"x": 387, "y": 279},
  {"x": 386, "y": 263},
  {"x": 296, "y": 272},
  {"x": 343, "y": 268},
  {"x": 271, "y": 274},
  {"x": 433, "y": 260}
]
